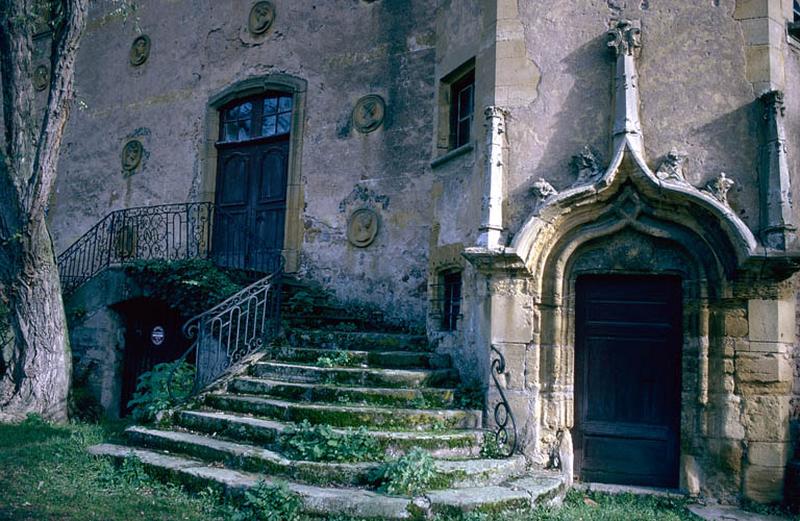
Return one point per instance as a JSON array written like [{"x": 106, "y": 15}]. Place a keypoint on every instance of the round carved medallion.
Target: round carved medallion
[
  {"x": 261, "y": 17},
  {"x": 362, "y": 227},
  {"x": 140, "y": 50},
  {"x": 368, "y": 113},
  {"x": 132, "y": 155},
  {"x": 41, "y": 77}
]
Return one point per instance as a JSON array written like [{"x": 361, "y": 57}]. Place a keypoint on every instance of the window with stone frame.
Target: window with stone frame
[
  {"x": 264, "y": 116},
  {"x": 447, "y": 299},
  {"x": 462, "y": 109},
  {"x": 794, "y": 24},
  {"x": 456, "y": 107}
]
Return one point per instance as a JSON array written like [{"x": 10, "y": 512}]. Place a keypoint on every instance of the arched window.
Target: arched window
[{"x": 266, "y": 116}]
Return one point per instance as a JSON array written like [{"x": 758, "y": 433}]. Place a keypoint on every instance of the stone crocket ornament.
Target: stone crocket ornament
[
  {"x": 719, "y": 187},
  {"x": 587, "y": 165},
  {"x": 671, "y": 169}
]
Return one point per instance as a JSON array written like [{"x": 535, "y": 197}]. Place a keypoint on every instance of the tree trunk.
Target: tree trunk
[
  {"x": 35, "y": 362},
  {"x": 38, "y": 369}
]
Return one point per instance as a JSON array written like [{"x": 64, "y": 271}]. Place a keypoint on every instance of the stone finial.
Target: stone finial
[
  {"x": 625, "y": 37},
  {"x": 587, "y": 165},
  {"x": 773, "y": 103},
  {"x": 543, "y": 190},
  {"x": 719, "y": 187},
  {"x": 671, "y": 169}
]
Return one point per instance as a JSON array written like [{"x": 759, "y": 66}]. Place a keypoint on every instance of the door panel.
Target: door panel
[
  {"x": 627, "y": 379},
  {"x": 251, "y": 204}
]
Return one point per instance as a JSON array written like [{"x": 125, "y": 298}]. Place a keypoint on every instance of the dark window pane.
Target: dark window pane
[
  {"x": 285, "y": 104},
  {"x": 231, "y": 132},
  {"x": 284, "y": 123},
  {"x": 465, "y": 102},
  {"x": 245, "y": 127},
  {"x": 270, "y": 106},
  {"x": 268, "y": 127},
  {"x": 462, "y": 137}
]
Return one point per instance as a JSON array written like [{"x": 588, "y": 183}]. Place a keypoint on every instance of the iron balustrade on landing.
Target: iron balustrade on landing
[
  {"x": 230, "y": 331},
  {"x": 165, "y": 232},
  {"x": 170, "y": 232}
]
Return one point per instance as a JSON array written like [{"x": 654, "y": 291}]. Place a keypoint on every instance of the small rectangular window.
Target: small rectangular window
[
  {"x": 794, "y": 25},
  {"x": 451, "y": 300},
  {"x": 462, "y": 108}
]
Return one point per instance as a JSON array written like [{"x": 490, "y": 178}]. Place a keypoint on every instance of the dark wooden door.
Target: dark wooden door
[
  {"x": 627, "y": 379},
  {"x": 152, "y": 336},
  {"x": 251, "y": 204}
]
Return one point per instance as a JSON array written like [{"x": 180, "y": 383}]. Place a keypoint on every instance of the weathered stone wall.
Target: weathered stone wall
[{"x": 344, "y": 50}]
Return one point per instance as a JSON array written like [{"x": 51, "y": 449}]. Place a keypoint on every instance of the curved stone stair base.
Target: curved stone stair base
[{"x": 390, "y": 384}]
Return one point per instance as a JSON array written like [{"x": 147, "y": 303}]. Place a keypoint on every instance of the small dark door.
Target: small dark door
[
  {"x": 251, "y": 182},
  {"x": 152, "y": 336},
  {"x": 627, "y": 379}
]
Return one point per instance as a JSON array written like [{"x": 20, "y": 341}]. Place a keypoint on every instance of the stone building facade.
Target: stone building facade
[{"x": 521, "y": 162}]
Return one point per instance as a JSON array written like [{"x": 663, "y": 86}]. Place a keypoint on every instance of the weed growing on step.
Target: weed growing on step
[
  {"x": 152, "y": 395},
  {"x": 267, "y": 502},
  {"x": 490, "y": 448},
  {"x": 300, "y": 303},
  {"x": 338, "y": 358},
  {"x": 410, "y": 475},
  {"x": 309, "y": 442},
  {"x": 470, "y": 396}
]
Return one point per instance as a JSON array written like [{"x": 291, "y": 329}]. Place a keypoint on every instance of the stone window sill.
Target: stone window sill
[{"x": 449, "y": 156}]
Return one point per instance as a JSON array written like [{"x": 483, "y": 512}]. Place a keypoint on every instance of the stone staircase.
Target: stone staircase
[{"x": 387, "y": 381}]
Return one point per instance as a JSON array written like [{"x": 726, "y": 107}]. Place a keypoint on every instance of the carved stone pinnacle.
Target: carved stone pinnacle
[{"x": 625, "y": 37}]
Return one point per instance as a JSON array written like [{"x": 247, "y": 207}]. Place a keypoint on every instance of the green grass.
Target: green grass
[{"x": 46, "y": 474}]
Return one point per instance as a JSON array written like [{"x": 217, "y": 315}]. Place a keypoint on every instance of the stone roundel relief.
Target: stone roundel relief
[
  {"x": 261, "y": 17},
  {"x": 368, "y": 113},
  {"x": 362, "y": 227},
  {"x": 140, "y": 50},
  {"x": 41, "y": 77},
  {"x": 132, "y": 155}
]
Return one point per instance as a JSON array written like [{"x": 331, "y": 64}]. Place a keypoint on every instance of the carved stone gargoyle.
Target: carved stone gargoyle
[
  {"x": 587, "y": 166},
  {"x": 671, "y": 169}
]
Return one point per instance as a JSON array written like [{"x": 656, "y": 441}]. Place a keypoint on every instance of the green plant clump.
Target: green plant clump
[
  {"x": 266, "y": 502},
  {"x": 152, "y": 395},
  {"x": 190, "y": 286},
  {"x": 470, "y": 396},
  {"x": 490, "y": 448},
  {"x": 321, "y": 443},
  {"x": 411, "y": 475},
  {"x": 337, "y": 358}
]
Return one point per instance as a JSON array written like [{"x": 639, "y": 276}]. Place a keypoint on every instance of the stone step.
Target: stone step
[
  {"x": 420, "y": 398},
  {"x": 378, "y": 359},
  {"x": 347, "y": 416},
  {"x": 355, "y": 376},
  {"x": 330, "y": 501},
  {"x": 362, "y": 341},
  {"x": 451, "y": 444},
  {"x": 450, "y": 473}
]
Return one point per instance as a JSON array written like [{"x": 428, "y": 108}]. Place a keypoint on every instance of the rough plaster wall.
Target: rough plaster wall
[
  {"x": 344, "y": 49},
  {"x": 694, "y": 93}
]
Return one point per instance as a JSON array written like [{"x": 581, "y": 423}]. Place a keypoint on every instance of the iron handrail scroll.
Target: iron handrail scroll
[
  {"x": 505, "y": 438},
  {"x": 230, "y": 331}
]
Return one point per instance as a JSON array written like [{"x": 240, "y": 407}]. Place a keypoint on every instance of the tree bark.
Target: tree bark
[{"x": 35, "y": 362}]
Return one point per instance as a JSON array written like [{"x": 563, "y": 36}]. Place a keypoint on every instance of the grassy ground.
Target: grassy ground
[{"x": 46, "y": 474}]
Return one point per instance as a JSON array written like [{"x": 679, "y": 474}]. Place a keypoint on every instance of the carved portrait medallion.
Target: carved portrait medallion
[
  {"x": 140, "y": 50},
  {"x": 41, "y": 77},
  {"x": 362, "y": 227},
  {"x": 368, "y": 113},
  {"x": 132, "y": 155},
  {"x": 261, "y": 17}
]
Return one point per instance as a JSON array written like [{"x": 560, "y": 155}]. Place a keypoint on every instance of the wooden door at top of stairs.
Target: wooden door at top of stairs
[
  {"x": 627, "y": 379},
  {"x": 251, "y": 204}
]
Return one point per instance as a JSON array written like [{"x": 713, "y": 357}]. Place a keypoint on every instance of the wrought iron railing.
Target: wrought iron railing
[
  {"x": 166, "y": 232},
  {"x": 505, "y": 435},
  {"x": 231, "y": 330}
]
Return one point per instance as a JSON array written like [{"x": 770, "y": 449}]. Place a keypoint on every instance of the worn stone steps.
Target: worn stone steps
[
  {"x": 242, "y": 456},
  {"x": 375, "y": 359},
  {"x": 357, "y": 340},
  {"x": 418, "y": 398},
  {"x": 355, "y": 376},
  {"x": 347, "y": 416},
  {"x": 538, "y": 487},
  {"x": 444, "y": 444}
]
